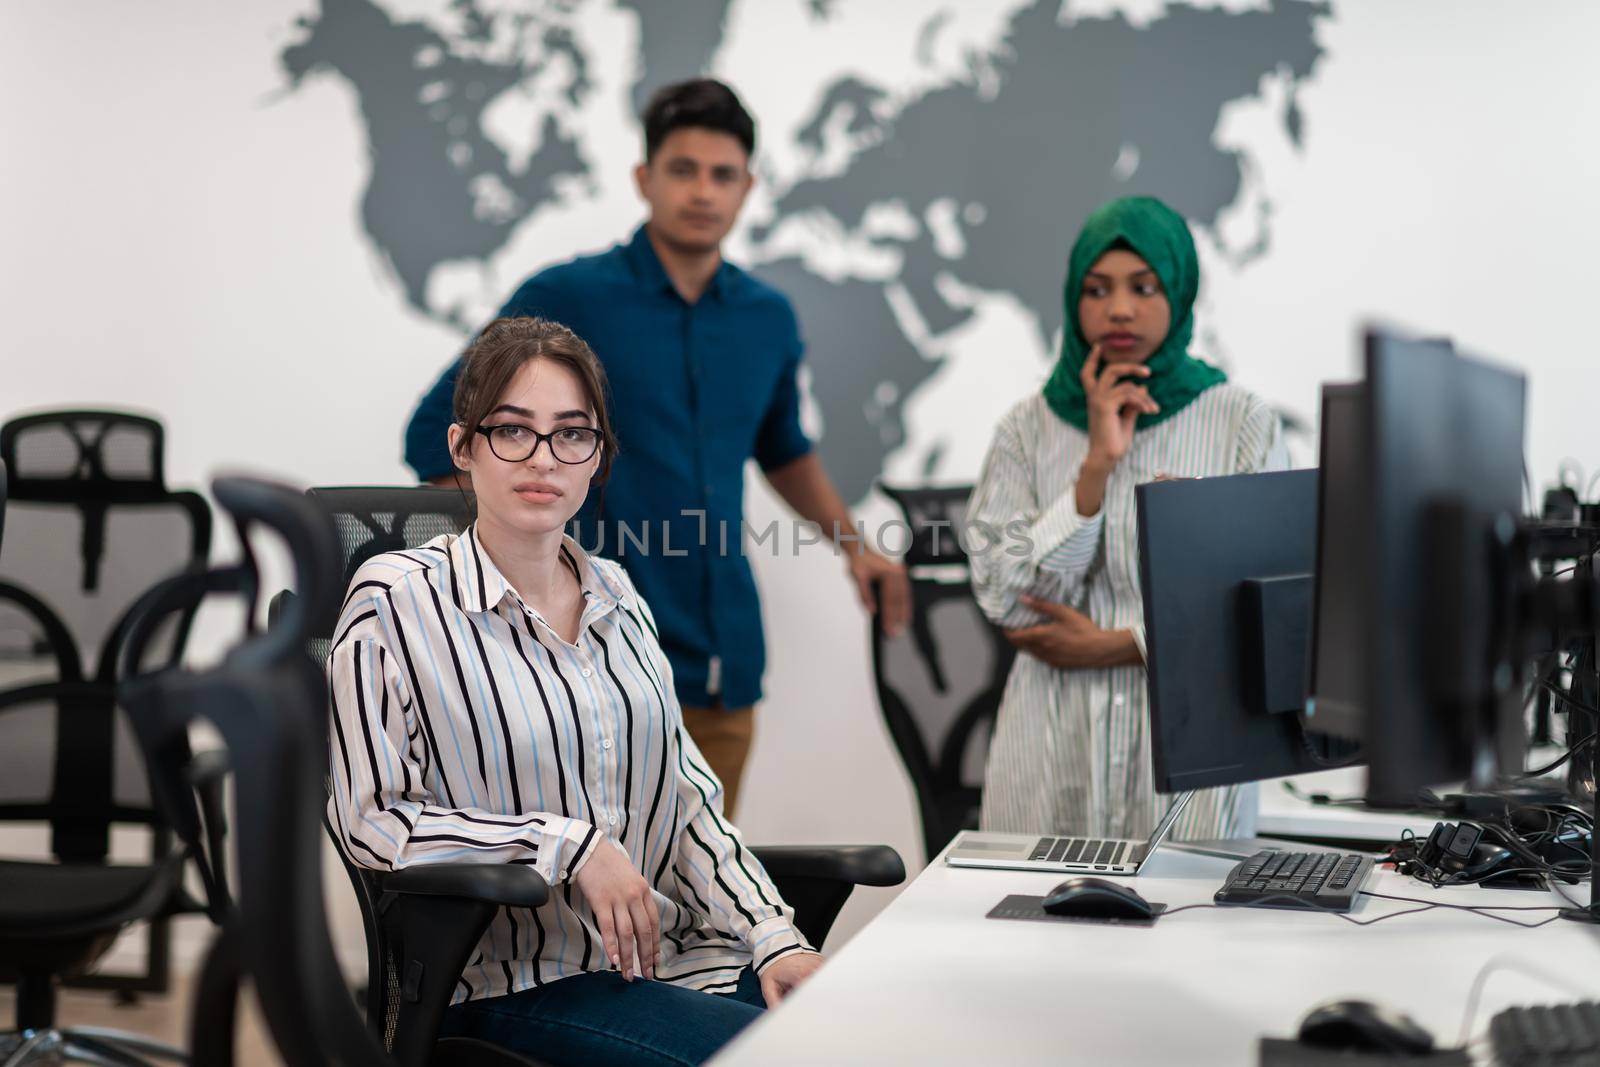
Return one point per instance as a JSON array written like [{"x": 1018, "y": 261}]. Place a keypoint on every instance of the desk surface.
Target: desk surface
[
  {"x": 932, "y": 981},
  {"x": 1283, "y": 814}
]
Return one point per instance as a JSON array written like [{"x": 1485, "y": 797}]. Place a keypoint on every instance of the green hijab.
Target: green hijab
[{"x": 1160, "y": 237}]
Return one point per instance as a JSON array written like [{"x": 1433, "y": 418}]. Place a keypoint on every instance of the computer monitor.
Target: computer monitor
[
  {"x": 1335, "y": 703},
  {"x": 1444, "y": 468},
  {"x": 1225, "y": 568}
]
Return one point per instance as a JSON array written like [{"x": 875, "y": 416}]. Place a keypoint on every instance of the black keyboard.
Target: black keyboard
[
  {"x": 1327, "y": 881},
  {"x": 1553, "y": 1036},
  {"x": 1090, "y": 851}
]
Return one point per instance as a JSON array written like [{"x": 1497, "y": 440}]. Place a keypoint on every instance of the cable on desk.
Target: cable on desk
[
  {"x": 1322, "y": 799},
  {"x": 1522, "y": 846},
  {"x": 1571, "y": 668},
  {"x": 1482, "y": 909},
  {"x": 1567, "y": 698},
  {"x": 1555, "y": 887},
  {"x": 1302, "y": 905},
  {"x": 1540, "y": 772},
  {"x": 1570, "y": 833},
  {"x": 1468, "y": 907},
  {"x": 1424, "y": 905},
  {"x": 1565, "y": 871},
  {"x": 1547, "y": 872},
  {"x": 1587, "y": 909}
]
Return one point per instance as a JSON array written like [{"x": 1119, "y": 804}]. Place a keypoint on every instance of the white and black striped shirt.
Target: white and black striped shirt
[
  {"x": 1071, "y": 749},
  {"x": 464, "y": 728}
]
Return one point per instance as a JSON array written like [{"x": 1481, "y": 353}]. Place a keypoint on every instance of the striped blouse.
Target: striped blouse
[
  {"x": 465, "y": 729},
  {"x": 1071, "y": 749}
]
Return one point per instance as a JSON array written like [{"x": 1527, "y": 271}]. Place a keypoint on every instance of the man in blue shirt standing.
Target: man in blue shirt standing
[{"x": 702, "y": 360}]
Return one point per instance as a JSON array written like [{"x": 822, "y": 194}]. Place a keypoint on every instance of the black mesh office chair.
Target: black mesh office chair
[
  {"x": 422, "y": 922},
  {"x": 57, "y": 919},
  {"x": 268, "y": 702},
  {"x": 90, "y": 526},
  {"x": 404, "y": 933},
  {"x": 939, "y": 684}
]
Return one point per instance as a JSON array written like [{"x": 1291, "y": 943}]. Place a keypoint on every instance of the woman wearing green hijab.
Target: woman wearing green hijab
[{"x": 1126, "y": 404}]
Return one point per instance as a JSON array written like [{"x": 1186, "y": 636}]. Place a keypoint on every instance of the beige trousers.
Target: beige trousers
[{"x": 723, "y": 736}]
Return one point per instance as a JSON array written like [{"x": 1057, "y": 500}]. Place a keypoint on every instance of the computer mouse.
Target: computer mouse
[
  {"x": 1097, "y": 898},
  {"x": 1359, "y": 1024},
  {"x": 1486, "y": 859}
]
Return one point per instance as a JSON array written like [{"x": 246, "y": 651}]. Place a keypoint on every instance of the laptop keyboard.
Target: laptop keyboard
[{"x": 1086, "y": 850}]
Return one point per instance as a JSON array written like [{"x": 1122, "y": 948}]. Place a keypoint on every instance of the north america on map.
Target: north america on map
[{"x": 992, "y": 172}]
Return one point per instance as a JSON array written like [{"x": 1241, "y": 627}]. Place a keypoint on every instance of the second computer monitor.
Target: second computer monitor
[{"x": 1444, "y": 475}]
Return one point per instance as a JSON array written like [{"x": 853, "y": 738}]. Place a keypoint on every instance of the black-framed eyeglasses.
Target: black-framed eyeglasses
[{"x": 517, "y": 444}]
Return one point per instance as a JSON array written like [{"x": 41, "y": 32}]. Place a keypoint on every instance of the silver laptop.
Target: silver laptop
[{"x": 1077, "y": 855}]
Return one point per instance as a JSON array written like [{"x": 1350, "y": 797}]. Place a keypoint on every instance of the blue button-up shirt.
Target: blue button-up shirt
[{"x": 696, "y": 391}]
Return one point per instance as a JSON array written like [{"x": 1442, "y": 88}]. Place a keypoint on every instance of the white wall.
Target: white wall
[{"x": 180, "y": 236}]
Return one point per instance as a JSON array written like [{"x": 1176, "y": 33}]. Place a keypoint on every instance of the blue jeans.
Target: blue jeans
[{"x": 599, "y": 1020}]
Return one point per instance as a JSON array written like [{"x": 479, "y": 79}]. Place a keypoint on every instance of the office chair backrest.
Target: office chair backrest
[
  {"x": 939, "y": 684},
  {"x": 268, "y": 701},
  {"x": 374, "y": 519},
  {"x": 90, "y": 527},
  {"x": 371, "y": 520},
  {"x": 189, "y": 790},
  {"x": 92, "y": 523}
]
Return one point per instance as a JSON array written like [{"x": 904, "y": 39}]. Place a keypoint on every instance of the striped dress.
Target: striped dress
[
  {"x": 1071, "y": 749},
  {"x": 464, "y": 728}
]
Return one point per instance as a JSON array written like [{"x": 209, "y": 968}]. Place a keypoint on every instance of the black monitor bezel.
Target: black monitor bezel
[{"x": 1332, "y": 717}]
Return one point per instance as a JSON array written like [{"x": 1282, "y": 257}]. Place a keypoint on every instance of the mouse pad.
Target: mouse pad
[
  {"x": 1278, "y": 1052},
  {"x": 1031, "y": 909}
]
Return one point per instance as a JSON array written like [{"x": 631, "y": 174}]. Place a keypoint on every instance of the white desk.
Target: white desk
[
  {"x": 1284, "y": 815},
  {"x": 931, "y": 981}
]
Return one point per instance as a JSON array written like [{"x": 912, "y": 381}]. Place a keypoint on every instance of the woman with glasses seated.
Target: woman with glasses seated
[
  {"x": 1127, "y": 403},
  {"x": 500, "y": 696}
]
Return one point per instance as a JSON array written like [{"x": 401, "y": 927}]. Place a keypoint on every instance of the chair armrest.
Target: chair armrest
[
  {"x": 816, "y": 880},
  {"x": 427, "y": 920},
  {"x": 506, "y": 884},
  {"x": 874, "y": 865}
]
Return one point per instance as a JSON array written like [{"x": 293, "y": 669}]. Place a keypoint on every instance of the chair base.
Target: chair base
[{"x": 85, "y": 1044}]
